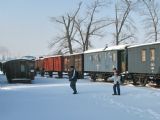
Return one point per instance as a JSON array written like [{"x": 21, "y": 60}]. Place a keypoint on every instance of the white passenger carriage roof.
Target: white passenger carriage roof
[
  {"x": 139, "y": 45},
  {"x": 117, "y": 47},
  {"x": 94, "y": 50}
]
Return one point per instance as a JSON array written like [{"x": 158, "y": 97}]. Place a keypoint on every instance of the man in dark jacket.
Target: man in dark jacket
[{"x": 73, "y": 79}]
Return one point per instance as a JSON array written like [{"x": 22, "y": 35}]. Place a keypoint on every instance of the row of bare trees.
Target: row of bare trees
[{"x": 79, "y": 29}]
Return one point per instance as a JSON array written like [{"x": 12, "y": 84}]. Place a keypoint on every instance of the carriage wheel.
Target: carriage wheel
[
  {"x": 50, "y": 74},
  {"x": 135, "y": 81},
  {"x": 143, "y": 81},
  {"x": 93, "y": 77},
  {"x": 9, "y": 80},
  {"x": 158, "y": 82},
  {"x": 60, "y": 74}
]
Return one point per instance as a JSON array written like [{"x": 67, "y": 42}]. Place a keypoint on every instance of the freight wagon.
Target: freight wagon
[
  {"x": 19, "y": 70},
  {"x": 76, "y": 60},
  {"x": 58, "y": 65},
  {"x": 53, "y": 64}
]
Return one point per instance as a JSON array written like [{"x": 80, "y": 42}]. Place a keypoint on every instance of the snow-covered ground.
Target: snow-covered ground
[
  {"x": 1, "y": 72},
  {"x": 52, "y": 99}
]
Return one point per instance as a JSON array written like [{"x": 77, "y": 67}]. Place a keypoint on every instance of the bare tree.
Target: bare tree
[
  {"x": 90, "y": 25},
  {"x": 78, "y": 29},
  {"x": 124, "y": 25},
  {"x": 64, "y": 41},
  {"x": 151, "y": 21}
]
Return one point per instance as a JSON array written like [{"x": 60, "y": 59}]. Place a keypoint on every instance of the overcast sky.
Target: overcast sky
[{"x": 25, "y": 26}]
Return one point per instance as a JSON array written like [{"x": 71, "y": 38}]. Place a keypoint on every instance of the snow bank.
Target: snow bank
[{"x": 1, "y": 72}]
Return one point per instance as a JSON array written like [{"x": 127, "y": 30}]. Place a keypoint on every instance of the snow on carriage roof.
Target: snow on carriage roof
[
  {"x": 144, "y": 44},
  {"x": 117, "y": 47},
  {"x": 60, "y": 55},
  {"x": 76, "y": 53},
  {"x": 39, "y": 58},
  {"x": 94, "y": 50},
  {"x": 51, "y": 56},
  {"x": 28, "y": 57},
  {"x": 19, "y": 59},
  {"x": 73, "y": 54}
]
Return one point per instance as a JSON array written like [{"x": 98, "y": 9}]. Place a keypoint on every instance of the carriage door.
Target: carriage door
[
  {"x": 121, "y": 61},
  {"x": 152, "y": 59}
]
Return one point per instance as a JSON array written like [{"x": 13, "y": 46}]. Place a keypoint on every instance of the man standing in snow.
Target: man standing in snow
[
  {"x": 116, "y": 78},
  {"x": 73, "y": 79}
]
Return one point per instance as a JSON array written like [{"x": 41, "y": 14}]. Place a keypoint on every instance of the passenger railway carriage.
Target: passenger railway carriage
[
  {"x": 144, "y": 63},
  {"x": 100, "y": 62}
]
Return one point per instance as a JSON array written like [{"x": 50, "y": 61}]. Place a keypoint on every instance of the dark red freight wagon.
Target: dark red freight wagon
[
  {"x": 53, "y": 64},
  {"x": 58, "y": 65},
  {"x": 79, "y": 60},
  {"x": 66, "y": 61},
  {"x": 49, "y": 65},
  {"x": 74, "y": 60}
]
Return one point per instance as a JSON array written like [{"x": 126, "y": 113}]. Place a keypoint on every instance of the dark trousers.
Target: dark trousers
[
  {"x": 73, "y": 86},
  {"x": 116, "y": 88}
]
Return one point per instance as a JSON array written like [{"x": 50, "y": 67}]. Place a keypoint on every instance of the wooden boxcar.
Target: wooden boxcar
[
  {"x": 100, "y": 62},
  {"x": 76, "y": 60},
  {"x": 58, "y": 65},
  {"x": 48, "y": 65},
  {"x": 53, "y": 64},
  {"x": 144, "y": 62},
  {"x": 19, "y": 69},
  {"x": 66, "y": 67}
]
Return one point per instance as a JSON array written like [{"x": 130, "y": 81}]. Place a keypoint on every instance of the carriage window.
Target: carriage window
[
  {"x": 113, "y": 57},
  {"x": 91, "y": 58},
  {"x": 22, "y": 68},
  {"x": 107, "y": 55},
  {"x": 98, "y": 58},
  {"x": 143, "y": 55},
  {"x": 152, "y": 54}
]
